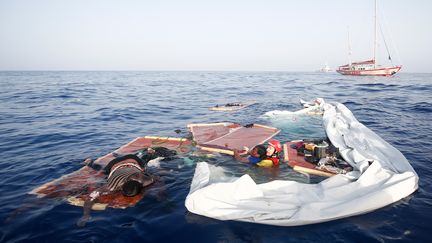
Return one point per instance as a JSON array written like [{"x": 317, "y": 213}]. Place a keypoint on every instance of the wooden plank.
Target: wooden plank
[
  {"x": 264, "y": 126},
  {"x": 209, "y": 124},
  {"x": 286, "y": 156},
  {"x": 167, "y": 138},
  {"x": 312, "y": 171},
  {"x": 77, "y": 186},
  {"x": 222, "y": 151}
]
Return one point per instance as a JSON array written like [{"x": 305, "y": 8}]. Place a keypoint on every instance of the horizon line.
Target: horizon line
[{"x": 180, "y": 70}]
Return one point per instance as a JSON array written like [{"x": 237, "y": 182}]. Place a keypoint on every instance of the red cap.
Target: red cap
[{"x": 276, "y": 144}]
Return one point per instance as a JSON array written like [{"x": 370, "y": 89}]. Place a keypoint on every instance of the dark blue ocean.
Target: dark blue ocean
[{"x": 51, "y": 121}]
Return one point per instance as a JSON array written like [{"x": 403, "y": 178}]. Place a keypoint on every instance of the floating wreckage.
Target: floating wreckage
[
  {"x": 380, "y": 175},
  {"x": 234, "y": 106}
]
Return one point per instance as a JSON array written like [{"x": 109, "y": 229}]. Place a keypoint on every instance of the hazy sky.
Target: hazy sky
[{"x": 245, "y": 35}]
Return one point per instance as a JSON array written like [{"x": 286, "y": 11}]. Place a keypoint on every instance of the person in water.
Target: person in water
[
  {"x": 274, "y": 148},
  {"x": 262, "y": 156},
  {"x": 255, "y": 156},
  {"x": 127, "y": 174}
]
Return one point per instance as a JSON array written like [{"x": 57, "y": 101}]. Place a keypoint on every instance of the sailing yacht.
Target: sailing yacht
[{"x": 368, "y": 67}]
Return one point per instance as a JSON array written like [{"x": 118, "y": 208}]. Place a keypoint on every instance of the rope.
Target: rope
[
  {"x": 389, "y": 34},
  {"x": 385, "y": 43}
]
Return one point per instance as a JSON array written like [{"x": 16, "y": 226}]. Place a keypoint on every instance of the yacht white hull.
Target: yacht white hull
[{"x": 371, "y": 72}]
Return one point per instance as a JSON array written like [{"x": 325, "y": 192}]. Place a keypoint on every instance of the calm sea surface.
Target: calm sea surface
[{"x": 51, "y": 121}]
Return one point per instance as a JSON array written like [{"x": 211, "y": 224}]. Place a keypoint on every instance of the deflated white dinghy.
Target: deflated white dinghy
[{"x": 381, "y": 176}]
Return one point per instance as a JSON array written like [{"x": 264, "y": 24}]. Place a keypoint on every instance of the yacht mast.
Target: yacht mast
[
  {"x": 349, "y": 48},
  {"x": 375, "y": 35}
]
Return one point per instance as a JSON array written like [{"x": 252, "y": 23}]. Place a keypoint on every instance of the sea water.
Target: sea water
[{"x": 51, "y": 121}]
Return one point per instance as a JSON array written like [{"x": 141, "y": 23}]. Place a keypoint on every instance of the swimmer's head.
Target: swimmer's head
[{"x": 258, "y": 151}]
